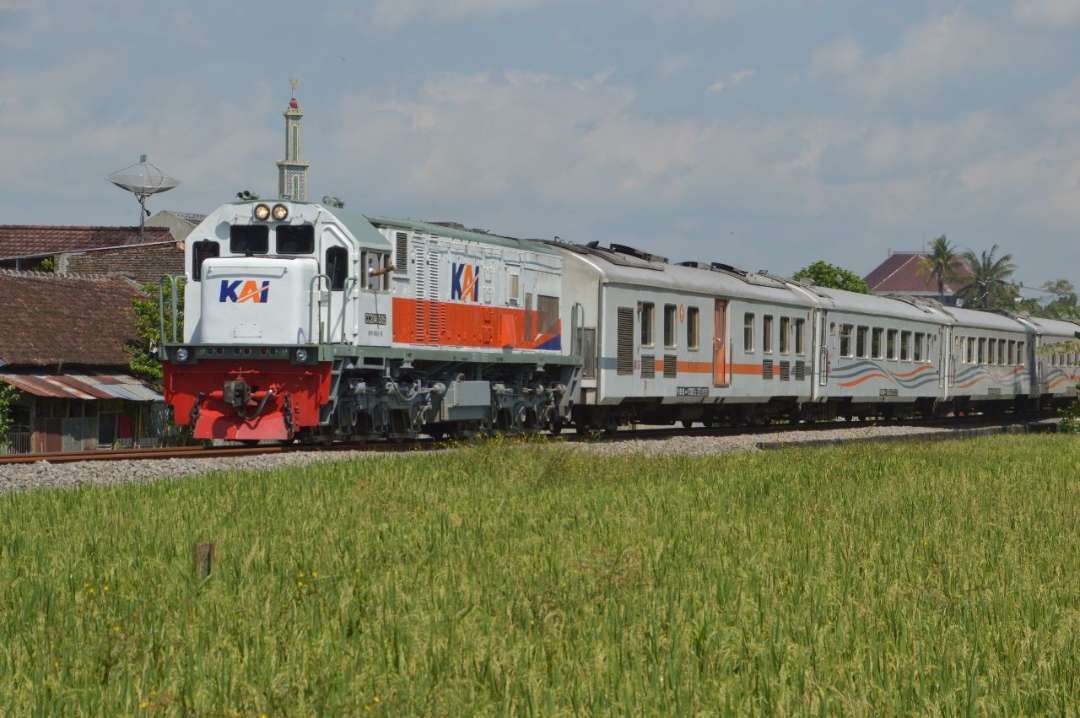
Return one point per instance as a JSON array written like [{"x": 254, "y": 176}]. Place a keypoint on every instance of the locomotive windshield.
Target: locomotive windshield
[
  {"x": 295, "y": 239},
  {"x": 249, "y": 239}
]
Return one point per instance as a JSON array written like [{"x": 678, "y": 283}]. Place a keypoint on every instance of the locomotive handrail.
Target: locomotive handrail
[
  {"x": 315, "y": 302},
  {"x": 346, "y": 291},
  {"x": 173, "y": 282}
]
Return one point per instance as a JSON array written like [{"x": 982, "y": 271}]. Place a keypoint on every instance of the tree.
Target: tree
[
  {"x": 824, "y": 274},
  {"x": 144, "y": 360},
  {"x": 1064, "y": 305},
  {"x": 8, "y": 395},
  {"x": 989, "y": 286},
  {"x": 940, "y": 264}
]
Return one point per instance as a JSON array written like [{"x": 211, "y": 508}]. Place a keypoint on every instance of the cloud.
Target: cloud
[
  {"x": 398, "y": 13},
  {"x": 928, "y": 56},
  {"x": 730, "y": 81},
  {"x": 1048, "y": 13},
  {"x": 673, "y": 65}
]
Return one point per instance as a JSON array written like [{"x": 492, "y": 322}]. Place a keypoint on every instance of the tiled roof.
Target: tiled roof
[
  {"x": 37, "y": 240},
  {"x": 900, "y": 273},
  {"x": 52, "y": 319}
]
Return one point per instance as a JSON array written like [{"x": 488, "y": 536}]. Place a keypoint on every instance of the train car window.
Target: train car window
[
  {"x": 647, "y": 324},
  {"x": 1001, "y": 352},
  {"x": 860, "y": 342},
  {"x": 669, "y": 325},
  {"x": 249, "y": 239},
  {"x": 693, "y": 317},
  {"x": 890, "y": 344},
  {"x": 970, "y": 350},
  {"x": 876, "y": 341},
  {"x": 748, "y": 332},
  {"x": 905, "y": 346},
  {"x": 766, "y": 334},
  {"x": 200, "y": 252},
  {"x": 982, "y": 351},
  {"x": 845, "y": 340},
  {"x": 296, "y": 239},
  {"x": 1021, "y": 358},
  {"x": 401, "y": 253},
  {"x": 547, "y": 313},
  {"x": 1012, "y": 353},
  {"x": 376, "y": 270},
  {"x": 588, "y": 352},
  {"x": 991, "y": 355},
  {"x": 785, "y": 332},
  {"x": 513, "y": 289},
  {"x": 800, "y": 327},
  {"x": 917, "y": 354},
  {"x": 336, "y": 267}
]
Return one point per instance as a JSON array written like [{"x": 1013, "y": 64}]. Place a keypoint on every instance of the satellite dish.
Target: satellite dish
[{"x": 143, "y": 179}]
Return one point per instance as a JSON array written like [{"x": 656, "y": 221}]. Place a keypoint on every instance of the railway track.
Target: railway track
[{"x": 394, "y": 446}]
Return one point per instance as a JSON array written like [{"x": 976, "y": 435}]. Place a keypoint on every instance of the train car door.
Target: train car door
[{"x": 720, "y": 358}]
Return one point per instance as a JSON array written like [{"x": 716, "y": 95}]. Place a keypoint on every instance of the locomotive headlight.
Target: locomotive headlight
[
  {"x": 182, "y": 355},
  {"x": 262, "y": 212},
  {"x": 280, "y": 212},
  {"x": 301, "y": 355}
]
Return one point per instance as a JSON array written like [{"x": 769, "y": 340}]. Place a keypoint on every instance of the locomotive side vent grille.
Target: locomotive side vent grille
[
  {"x": 766, "y": 369},
  {"x": 421, "y": 293},
  {"x": 800, "y": 371},
  {"x": 671, "y": 366},
  {"x": 437, "y": 314},
  {"x": 401, "y": 252},
  {"x": 648, "y": 366},
  {"x": 785, "y": 371},
  {"x": 624, "y": 361}
]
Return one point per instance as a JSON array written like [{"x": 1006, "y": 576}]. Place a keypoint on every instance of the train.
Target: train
[{"x": 302, "y": 322}]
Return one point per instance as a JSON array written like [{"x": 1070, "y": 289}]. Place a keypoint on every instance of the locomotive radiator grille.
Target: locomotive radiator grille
[
  {"x": 624, "y": 362},
  {"x": 671, "y": 366},
  {"x": 648, "y": 366}
]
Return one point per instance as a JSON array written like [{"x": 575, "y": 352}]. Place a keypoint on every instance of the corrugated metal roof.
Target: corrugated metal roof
[{"x": 87, "y": 387}]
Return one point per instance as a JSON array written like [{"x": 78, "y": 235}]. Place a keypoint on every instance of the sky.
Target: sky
[{"x": 764, "y": 134}]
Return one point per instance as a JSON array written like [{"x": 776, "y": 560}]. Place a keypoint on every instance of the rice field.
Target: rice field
[{"x": 519, "y": 579}]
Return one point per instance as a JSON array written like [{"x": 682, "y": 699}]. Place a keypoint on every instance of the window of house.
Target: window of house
[
  {"x": 800, "y": 330},
  {"x": 748, "y": 332},
  {"x": 337, "y": 267},
  {"x": 876, "y": 341},
  {"x": 295, "y": 239},
  {"x": 845, "y": 340},
  {"x": 905, "y": 346},
  {"x": 693, "y": 317},
  {"x": 890, "y": 344},
  {"x": 200, "y": 252},
  {"x": 861, "y": 346},
  {"x": 647, "y": 324},
  {"x": 766, "y": 334},
  {"x": 785, "y": 332},
  {"x": 669, "y": 325},
  {"x": 249, "y": 239}
]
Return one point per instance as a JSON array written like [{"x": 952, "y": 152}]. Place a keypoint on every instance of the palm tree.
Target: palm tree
[
  {"x": 940, "y": 264},
  {"x": 989, "y": 286}
]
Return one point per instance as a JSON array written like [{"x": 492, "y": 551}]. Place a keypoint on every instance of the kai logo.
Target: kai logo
[
  {"x": 465, "y": 284},
  {"x": 240, "y": 291}
]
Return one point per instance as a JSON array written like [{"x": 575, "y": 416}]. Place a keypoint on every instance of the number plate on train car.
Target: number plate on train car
[
  {"x": 697, "y": 391},
  {"x": 377, "y": 319}
]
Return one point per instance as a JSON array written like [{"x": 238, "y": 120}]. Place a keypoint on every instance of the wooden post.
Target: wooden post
[{"x": 204, "y": 560}]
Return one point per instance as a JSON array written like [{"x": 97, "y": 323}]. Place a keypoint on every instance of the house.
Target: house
[
  {"x": 92, "y": 250},
  {"x": 62, "y": 347},
  {"x": 901, "y": 274}
]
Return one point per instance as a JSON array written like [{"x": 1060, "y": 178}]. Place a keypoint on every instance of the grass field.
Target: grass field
[{"x": 527, "y": 580}]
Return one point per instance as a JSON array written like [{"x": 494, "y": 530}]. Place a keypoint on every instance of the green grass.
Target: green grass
[{"x": 528, "y": 580}]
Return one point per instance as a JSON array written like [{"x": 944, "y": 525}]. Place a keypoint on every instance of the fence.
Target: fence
[{"x": 18, "y": 443}]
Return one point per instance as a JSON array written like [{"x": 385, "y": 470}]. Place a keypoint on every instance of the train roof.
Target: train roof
[
  {"x": 986, "y": 320},
  {"x": 1054, "y": 327},
  {"x": 641, "y": 269},
  {"x": 457, "y": 232},
  {"x": 878, "y": 306}
]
